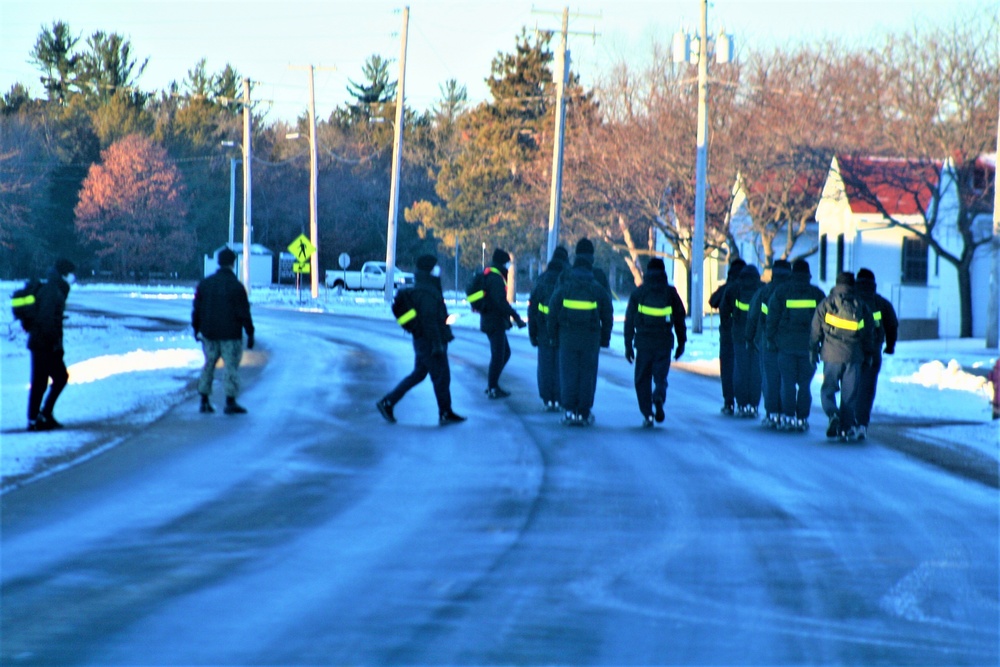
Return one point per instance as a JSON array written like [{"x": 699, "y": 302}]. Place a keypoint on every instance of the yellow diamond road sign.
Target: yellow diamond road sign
[
  {"x": 301, "y": 267},
  {"x": 302, "y": 248}
]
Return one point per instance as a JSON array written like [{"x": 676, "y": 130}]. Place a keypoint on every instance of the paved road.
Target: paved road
[{"x": 311, "y": 532}]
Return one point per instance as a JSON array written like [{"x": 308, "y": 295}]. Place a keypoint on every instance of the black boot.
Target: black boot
[
  {"x": 385, "y": 409},
  {"x": 449, "y": 417},
  {"x": 206, "y": 407},
  {"x": 233, "y": 408}
]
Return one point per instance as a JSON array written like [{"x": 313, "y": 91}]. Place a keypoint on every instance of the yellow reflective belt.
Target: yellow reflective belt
[
  {"x": 877, "y": 316},
  {"x": 742, "y": 306},
  {"x": 655, "y": 312},
  {"x": 543, "y": 309},
  {"x": 841, "y": 323},
  {"x": 475, "y": 296},
  {"x": 579, "y": 305},
  {"x": 23, "y": 301},
  {"x": 800, "y": 303},
  {"x": 763, "y": 308},
  {"x": 407, "y": 316}
]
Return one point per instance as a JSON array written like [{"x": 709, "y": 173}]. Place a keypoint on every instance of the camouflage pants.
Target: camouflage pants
[{"x": 230, "y": 351}]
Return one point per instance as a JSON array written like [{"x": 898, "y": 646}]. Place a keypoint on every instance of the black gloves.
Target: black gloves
[
  {"x": 629, "y": 355},
  {"x": 679, "y": 351},
  {"x": 533, "y": 341},
  {"x": 890, "y": 349},
  {"x": 250, "y": 341},
  {"x": 519, "y": 322}
]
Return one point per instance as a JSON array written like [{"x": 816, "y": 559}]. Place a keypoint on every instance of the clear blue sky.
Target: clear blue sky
[{"x": 447, "y": 38}]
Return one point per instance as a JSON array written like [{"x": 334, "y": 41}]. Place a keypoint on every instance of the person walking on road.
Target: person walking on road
[
  {"x": 495, "y": 319},
  {"x": 538, "y": 329},
  {"x": 220, "y": 315},
  {"x": 654, "y": 313},
  {"x": 789, "y": 326},
  {"x": 770, "y": 376},
  {"x": 843, "y": 333},
  {"x": 746, "y": 361},
  {"x": 886, "y": 332},
  {"x": 45, "y": 342},
  {"x": 580, "y": 320},
  {"x": 431, "y": 336},
  {"x": 726, "y": 337}
]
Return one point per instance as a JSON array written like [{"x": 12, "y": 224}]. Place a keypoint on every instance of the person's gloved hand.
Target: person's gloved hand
[
  {"x": 533, "y": 341},
  {"x": 250, "y": 341},
  {"x": 519, "y": 322},
  {"x": 890, "y": 349},
  {"x": 629, "y": 355},
  {"x": 679, "y": 351}
]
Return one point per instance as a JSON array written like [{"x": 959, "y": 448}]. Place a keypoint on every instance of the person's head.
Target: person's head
[
  {"x": 227, "y": 258},
  {"x": 66, "y": 270},
  {"x": 781, "y": 267},
  {"x": 865, "y": 281},
  {"x": 428, "y": 264},
  {"x": 501, "y": 259},
  {"x": 800, "y": 268},
  {"x": 656, "y": 264},
  {"x": 561, "y": 254},
  {"x": 584, "y": 247},
  {"x": 845, "y": 279},
  {"x": 735, "y": 267}
]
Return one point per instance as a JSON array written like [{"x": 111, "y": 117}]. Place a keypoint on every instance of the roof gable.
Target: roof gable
[{"x": 900, "y": 186}]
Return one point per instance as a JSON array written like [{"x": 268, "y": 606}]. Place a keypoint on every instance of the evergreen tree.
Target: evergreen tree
[{"x": 53, "y": 54}]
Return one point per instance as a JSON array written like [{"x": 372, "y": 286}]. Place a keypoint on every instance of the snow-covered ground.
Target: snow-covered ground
[{"x": 122, "y": 373}]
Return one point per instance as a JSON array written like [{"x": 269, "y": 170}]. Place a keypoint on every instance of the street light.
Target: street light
[{"x": 683, "y": 52}]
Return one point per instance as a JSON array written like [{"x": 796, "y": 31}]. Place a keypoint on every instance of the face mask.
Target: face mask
[
  {"x": 436, "y": 272},
  {"x": 70, "y": 278}
]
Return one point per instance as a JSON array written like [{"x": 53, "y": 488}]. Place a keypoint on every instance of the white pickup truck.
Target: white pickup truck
[{"x": 370, "y": 277}]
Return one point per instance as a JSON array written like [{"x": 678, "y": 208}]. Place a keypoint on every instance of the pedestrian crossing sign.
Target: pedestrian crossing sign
[
  {"x": 301, "y": 267},
  {"x": 302, "y": 249}
]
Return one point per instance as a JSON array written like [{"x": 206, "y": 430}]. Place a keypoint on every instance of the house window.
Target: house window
[
  {"x": 914, "y": 261},
  {"x": 822, "y": 258},
  {"x": 840, "y": 254}
]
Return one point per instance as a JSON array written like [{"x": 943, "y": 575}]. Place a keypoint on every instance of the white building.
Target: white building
[{"x": 261, "y": 263}]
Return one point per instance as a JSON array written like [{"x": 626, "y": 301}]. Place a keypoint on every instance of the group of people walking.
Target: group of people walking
[{"x": 772, "y": 337}]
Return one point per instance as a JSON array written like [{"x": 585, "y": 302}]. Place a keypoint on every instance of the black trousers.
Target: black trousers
[
  {"x": 651, "y": 369},
  {"x": 425, "y": 363},
  {"x": 499, "y": 356},
  {"x": 866, "y": 393},
  {"x": 845, "y": 378},
  {"x": 770, "y": 380},
  {"x": 726, "y": 369},
  {"x": 746, "y": 375},
  {"x": 797, "y": 372},
  {"x": 548, "y": 372},
  {"x": 46, "y": 364},
  {"x": 578, "y": 373}
]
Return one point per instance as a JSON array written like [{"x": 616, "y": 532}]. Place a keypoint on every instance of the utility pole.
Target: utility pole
[
  {"x": 313, "y": 183},
  {"x": 560, "y": 75},
  {"x": 701, "y": 176},
  {"x": 993, "y": 326},
  {"x": 397, "y": 158},
  {"x": 247, "y": 180}
]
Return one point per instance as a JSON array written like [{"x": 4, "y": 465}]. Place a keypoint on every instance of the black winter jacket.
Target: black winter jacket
[
  {"x": 497, "y": 311},
  {"x": 735, "y": 307},
  {"x": 46, "y": 332},
  {"x": 886, "y": 322},
  {"x": 538, "y": 302},
  {"x": 655, "y": 311},
  {"x": 790, "y": 314},
  {"x": 432, "y": 313},
  {"x": 580, "y": 309},
  {"x": 843, "y": 328},
  {"x": 758, "y": 314},
  {"x": 221, "y": 308}
]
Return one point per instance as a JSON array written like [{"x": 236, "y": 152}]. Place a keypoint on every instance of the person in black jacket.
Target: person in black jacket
[
  {"x": 789, "y": 326},
  {"x": 726, "y": 338},
  {"x": 746, "y": 361},
  {"x": 770, "y": 376},
  {"x": 655, "y": 311},
  {"x": 220, "y": 314},
  {"x": 580, "y": 320},
  {"x": 494, "y": 321},
  {"x": 538, "y": 331},
  {"x": 45, "y": 342},
  {"x": 430, "y": 345},
  {"x": 843, "y": 332},
  {"x": 886, "y": 332}
]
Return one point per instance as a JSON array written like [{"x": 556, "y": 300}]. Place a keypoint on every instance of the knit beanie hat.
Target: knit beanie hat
[
  {"x": 735, "y": 267},
  {"x": 426, "y": 263},
  {"x": 781, "y": 266},
  {"x": 64, "y": 267},
  {"x": 561, "y": 254},
  {"x": 584, "y": 247},
  {"x": 227, "y": 257},
  {"x": 866, "y": 275},
  {"x": 846, "y": 278},
  {"x": 500, "y": 257},
  {"x": 656, "y": 264},
  {"x": 801, "y": 266}
]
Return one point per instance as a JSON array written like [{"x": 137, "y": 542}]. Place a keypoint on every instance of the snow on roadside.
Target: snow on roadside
[{"x": 120, "y": 372}]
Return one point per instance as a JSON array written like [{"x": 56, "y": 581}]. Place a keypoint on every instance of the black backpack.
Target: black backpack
[
  {"x": 475, "y": 292},
  {"x": 404, "y": 307},
  {"x": 24, "y": 303}
]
